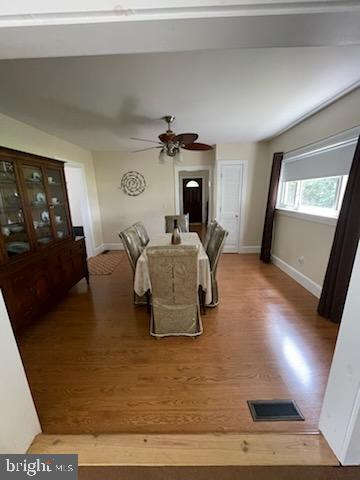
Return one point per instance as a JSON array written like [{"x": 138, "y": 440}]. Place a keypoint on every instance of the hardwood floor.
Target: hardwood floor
[
  {"x": 210, "y": 449},
  {"x": 93, "y": 367}
]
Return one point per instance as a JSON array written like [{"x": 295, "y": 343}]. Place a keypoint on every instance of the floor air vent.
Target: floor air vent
[{"x": 274, "y": 410}]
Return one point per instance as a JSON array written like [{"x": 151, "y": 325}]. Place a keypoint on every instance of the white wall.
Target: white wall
[
  {"x": 18, "y": 135},
  {"x": 340, "y": 416},
  {"x": 294, "y": 238},
  {"x": 18, "y": 418}
]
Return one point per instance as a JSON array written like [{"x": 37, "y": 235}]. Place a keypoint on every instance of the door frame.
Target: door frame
[
  {"x": 244, "y": 165},
  {"x": 86, "y": 210},
  {"x": 178, "y": 187}
]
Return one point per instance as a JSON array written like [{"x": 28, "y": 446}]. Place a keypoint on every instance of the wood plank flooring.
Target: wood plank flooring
[
  {"x": 189, "y": 449},
  {"x": 93, "y": 368}
]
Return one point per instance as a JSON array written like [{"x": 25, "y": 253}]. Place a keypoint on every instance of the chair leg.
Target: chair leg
[
  {"x": 202, "y": 296},
  {"x": 215, "y": 293},
  {"x": 148, "y": 302},
  {"x": 140, "y": 300}
]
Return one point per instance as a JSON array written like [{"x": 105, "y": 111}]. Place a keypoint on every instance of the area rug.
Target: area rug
[{"x": 105, "y": 263}]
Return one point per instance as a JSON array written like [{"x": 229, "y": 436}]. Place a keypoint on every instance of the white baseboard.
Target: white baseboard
[
  {"x": 299, "y": 277},
  {"x": 250, "y": 249},
  {"x": 113, "y": 246},
  {"x": 99, "y": 249}
]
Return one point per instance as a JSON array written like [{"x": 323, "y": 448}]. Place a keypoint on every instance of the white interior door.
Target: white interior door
[{"x": 231, "y": 182}]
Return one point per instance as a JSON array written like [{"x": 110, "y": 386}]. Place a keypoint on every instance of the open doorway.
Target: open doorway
[
  {"x": 79, "y": 204},
  {"x": 193, "y": 197},
  {"x": 193, "y": 201}
]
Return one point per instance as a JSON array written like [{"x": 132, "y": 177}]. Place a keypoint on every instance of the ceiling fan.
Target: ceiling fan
[{"x": 170, "y": 143}]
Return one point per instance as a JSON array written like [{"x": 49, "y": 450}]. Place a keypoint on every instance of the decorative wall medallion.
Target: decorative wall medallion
[{"x": 133, "y": 184}]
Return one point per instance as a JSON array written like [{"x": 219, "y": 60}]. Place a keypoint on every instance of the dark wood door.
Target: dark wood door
[{"x": 192, "y": 199}]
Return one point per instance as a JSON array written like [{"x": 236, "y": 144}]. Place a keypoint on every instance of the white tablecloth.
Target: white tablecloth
[{"x": 142, "y": 279}]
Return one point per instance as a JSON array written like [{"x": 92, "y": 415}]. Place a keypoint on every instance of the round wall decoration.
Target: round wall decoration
[{"x": 133, "y": 184}]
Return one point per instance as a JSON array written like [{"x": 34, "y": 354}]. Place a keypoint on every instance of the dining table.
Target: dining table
[{"x": 142, "y": 283}]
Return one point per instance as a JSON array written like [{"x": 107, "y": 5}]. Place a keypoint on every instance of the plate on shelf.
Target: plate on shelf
[
  {"x": 17, "y": 247},
  {"x": 35, "y": 177},
  {"x": 44, "y": 240},
  {"x": 40, "y": 197},
  {"x": 16, "y": 228},
  {"x": 45, "y": 217}
]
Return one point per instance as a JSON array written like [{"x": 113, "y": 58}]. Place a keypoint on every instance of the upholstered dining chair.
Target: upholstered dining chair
[
  {"x": 214, "y": 250},
  {"x": 175, "y": 301},
  {"x": 209, "y": 231},
  {"x": 143, "y": 235},
  {"x": 183, "y": 223},
  {"x": 133, "y": 249}
]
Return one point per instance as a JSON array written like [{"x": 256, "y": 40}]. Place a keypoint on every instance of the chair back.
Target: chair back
[
  {"x": 132, "y": 245},
  {"x": 209, "y": 231},
  {"x": 173, "y": 276},
  {"x": 143, "y": 235},
  {"x": 182, "y": 221},
  {"x": 215, "y": 246}
]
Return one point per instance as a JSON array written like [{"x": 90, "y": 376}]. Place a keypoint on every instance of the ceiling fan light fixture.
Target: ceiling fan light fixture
[
  {"x": 179, "y": 157},
  {"x": 162, "y": 156}
]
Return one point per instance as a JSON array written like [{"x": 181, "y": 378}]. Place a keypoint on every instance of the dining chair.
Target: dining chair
[
  {"x": 143, "y": 235},
  {"x": 133, "y": 249},
  {"x": 209, "y": 231},
  {"x": 214, "y": 250},
  {"x": 175, "y": 303},
  {"x": 182, "y": 220}
]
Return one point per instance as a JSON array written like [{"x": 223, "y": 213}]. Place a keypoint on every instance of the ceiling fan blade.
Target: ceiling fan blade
[
  {"x": 197, "y": 146},
  {"x": 143, "y": 140},
  {"x": 186, "y": 138},
  {"x": 144, "y": 149}
]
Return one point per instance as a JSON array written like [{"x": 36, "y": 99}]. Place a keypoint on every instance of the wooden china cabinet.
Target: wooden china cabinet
[{"x": 40, "y": 260}]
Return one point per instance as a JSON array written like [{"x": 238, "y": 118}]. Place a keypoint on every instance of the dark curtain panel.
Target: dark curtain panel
[
  {"x": 270, "y": 208},
  {"x": 344, "y": 248}
]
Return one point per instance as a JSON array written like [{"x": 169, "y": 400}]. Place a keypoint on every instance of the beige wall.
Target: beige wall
[
  {"x": 118, "y": 210},
  {"x": 18, "y": 135},
  {"x": 297, "y": 237},
  {"x": 258, "y": 164}
]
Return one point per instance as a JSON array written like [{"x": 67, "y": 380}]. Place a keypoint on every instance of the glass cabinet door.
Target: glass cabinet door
[
  {"x": 13, "y": 227},
  {"x": 39, "y": 208},
  {"x": 56, "y": 189}
]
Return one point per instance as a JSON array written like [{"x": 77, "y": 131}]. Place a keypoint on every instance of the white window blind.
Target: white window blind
[{"x": 329, "y": 158}]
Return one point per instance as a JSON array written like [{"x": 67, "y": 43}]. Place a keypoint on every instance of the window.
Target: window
[
  {"x": 313, "y": 178},
  {"x": 316, "y": 196},
  {"x": 192, "y": 184}
]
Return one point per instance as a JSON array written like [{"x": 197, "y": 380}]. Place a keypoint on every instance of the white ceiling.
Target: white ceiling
[
  {"x": 43, "y": 28},
  {"x": 231, "y": 70},
  {"x": 224, "y": 95}
]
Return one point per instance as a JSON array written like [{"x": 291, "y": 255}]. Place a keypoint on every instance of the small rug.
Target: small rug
[{"x": 105, "y": 263}]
